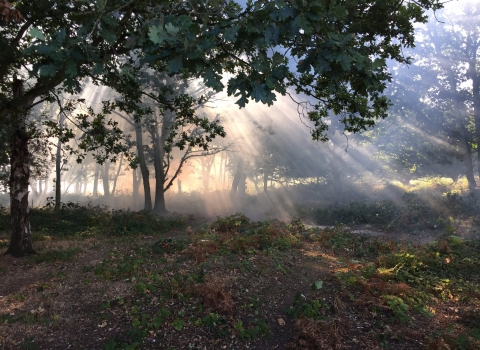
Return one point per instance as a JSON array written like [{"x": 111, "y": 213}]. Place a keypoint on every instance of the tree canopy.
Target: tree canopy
[
  {"x": 334, "y": 52},
  {"x": 331, "y": 53}
]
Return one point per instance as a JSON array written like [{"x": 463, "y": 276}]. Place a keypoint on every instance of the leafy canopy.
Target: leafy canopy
[{"x": 333, "y": 52}]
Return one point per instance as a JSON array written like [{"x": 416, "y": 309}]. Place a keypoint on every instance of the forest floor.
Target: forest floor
[{"x": 236, "y": 284}]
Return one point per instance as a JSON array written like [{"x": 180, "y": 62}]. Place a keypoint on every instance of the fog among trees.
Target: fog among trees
[
  {"x": 264, "y": 151},
  {"x": 251, "y": 174}
]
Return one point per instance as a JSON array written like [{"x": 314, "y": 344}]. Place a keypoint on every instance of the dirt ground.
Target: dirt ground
[{"x": 108, "y": 289}]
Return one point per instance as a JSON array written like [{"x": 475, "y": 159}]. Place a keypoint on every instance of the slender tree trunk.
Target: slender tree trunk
[
  {"x": 207, "y": 163},
  {"x": 105, "y": 179},
  {"x": 265, "y": 180},
  {"x": 179, "y": 186},
  {"x": 58, "y": 178},
  {"x": 21, "y": 239},
  {"x": 40, "y": 187},
  {"x": 255, "y": 182},
  {"x": 34, "y": 186},
  {"x": 135, "y": 187},
  {"x": 237, "y": 178},
  {"x": 143, "y": 168},
  {"x": 95, "y": 182},
  {"x": 225, "y": 173},
  {"x": 117, "y": 174},
  {"x": 160, "y": 176}
]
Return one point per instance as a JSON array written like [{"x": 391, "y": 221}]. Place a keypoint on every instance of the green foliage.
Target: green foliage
[
  {"x": 87, "y": 221},
  {"x": 335, "y": 67},
  {"x": 29, "y": 344},
  {"x": 178, "y": 324},
  {"x": 217, "y": 324},
  {"x": 413, "y": 211},
  {"x": 54, "y": 255},
  {"x": 258, "y": 327},
  {"x": 237, "y": 234},
  {"x": 233, "y": 223},
  {"x": 398, "y": 307},
  {"x": 411, "y": 280},
  {"x": 304, "y": 308}
]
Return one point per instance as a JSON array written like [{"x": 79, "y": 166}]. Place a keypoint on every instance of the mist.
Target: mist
[{"x": 267, "y": 166}]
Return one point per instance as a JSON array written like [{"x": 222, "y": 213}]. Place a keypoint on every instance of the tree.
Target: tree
[
  {"x": 433, "y": 101},
  {"x": 51, "y": 45},
  {"x": 169, "y": 134}
]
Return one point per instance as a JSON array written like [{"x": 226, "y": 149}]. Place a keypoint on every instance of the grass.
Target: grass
[
  {"x": 237, "y": 283},
  {"x": 414, "y": 212},
  {"x": 92, "y": 221}
]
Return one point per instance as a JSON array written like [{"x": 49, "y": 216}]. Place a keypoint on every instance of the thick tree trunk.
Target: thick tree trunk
[
  {"x": 467, "y": 158},
  {"x": 143, "y": 168},
  {"x": 476, "y": 108},
  {"x": 21, "y": 239},
  {"x": 242, "y": 186}
]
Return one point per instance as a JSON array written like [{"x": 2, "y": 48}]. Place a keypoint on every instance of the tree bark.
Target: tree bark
[
  {"x": 255, "y": 182},
  {"x": 143, "y": 168},
  {"x": 135, "y": 187},
  {"x": 117, "y": 174},
  {"x": 265, "y": 181},
  {"x": 242, "y": 185},
  {"x": 206, "y": 163},
  {"x": 467, "y": 155},
  {"x": 237, "y": 178},
  {"x": 105, "y": 178},
  {"x": 58, "y": 178},
  {"x": 160, "y": 176},
  {"x": 475, "y": 76},
  {"x": 95, "y": 182},
  {"x": 21, "y": 239}
]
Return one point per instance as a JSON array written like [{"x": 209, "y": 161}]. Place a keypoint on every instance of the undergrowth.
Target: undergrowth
[
  {"x": 413, "y": 211},
  {"x": 73, "y": 220},
  {"x": 205, "y": 285}
]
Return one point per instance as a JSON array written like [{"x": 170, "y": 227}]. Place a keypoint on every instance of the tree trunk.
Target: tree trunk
[
  {"x": 58, "y": 178},
  {"x": 135, "y": 187},
  {"x": 467, "y": 155},
  {"x": 106, "y": 185},
  {"x": 143, "y": 168},
  {"x": 117, "y": 174},
  {"x": 40, "y": 188},
  {"x": 242, "y": 186},
  {"x": 21, "y": 239},
  {"x": 160, "y": 176},
  {"x": 476, "y": 105},
  {"x": 265, "y": 181},
  {"x": 206, "y": 163},
  {"x": 179, "y": 186},
  {"x": 95, "y": 182},
  {"x": 237, "y": 178},
  {"x": 255, "y": 182}
]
